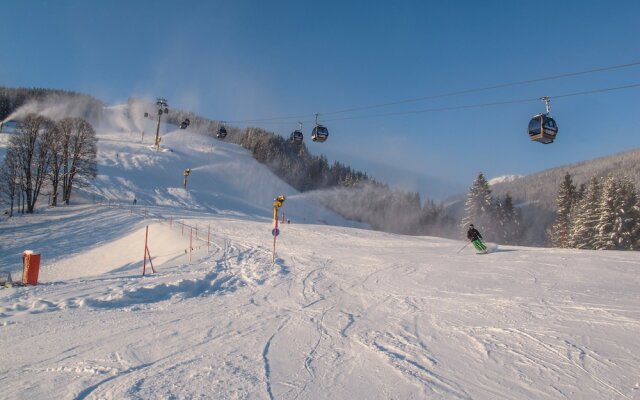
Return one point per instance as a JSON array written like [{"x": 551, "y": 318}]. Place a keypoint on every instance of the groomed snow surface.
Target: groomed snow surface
[{"x": 342, "y": 313}]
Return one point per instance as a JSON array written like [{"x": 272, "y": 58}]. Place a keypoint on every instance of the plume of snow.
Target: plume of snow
[{"x": 58, "y": 107}]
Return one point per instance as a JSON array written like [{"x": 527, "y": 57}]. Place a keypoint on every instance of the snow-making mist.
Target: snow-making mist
[
  {"x": 56, "y": 107},
  {"x": 342, "y": 313}
]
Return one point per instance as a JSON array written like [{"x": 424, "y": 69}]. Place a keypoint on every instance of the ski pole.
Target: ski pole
[{"x": 463, "y": 247}]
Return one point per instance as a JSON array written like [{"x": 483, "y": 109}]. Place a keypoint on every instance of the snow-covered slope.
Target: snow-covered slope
[
  {"x": 223, "y": 179},
  {"x": 342, "y": 313}
]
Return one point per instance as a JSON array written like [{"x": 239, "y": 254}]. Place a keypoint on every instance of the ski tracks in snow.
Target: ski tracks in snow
[
  {"x": 309, "y": 358},
  {"x": 310, "y": 308},
  {"x": 410, "y": 361},
  {"x": 308, "y": 326},
  {"x": 265, "y": 358},
  {"x": 566, "y": 357}
]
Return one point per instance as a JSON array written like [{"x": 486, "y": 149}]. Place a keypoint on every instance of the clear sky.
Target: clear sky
[{"x": 240, "y": 60}]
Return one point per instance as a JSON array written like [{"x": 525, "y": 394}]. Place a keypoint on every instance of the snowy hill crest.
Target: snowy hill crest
[{"x": 504, "y": 179}]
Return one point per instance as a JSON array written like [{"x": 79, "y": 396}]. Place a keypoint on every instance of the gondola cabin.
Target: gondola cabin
[
  {"x": 319, "y": 134},
  {"x": 222, "y": 132},
  {"x": 543, "y": 128},
  {"x": 296, "y": 137}
]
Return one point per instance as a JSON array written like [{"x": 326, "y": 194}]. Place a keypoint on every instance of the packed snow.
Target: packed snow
[{"x": 342, "y": 313}]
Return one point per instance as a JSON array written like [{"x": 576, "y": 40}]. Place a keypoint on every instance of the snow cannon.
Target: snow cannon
[
  {"x": 277, "y": 202},
  {"x": 186, "y": 173}
]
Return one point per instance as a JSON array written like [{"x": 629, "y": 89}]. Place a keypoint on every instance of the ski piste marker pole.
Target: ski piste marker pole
[
  {"x": 277, "y": 203},
  {"x": 275, "y": 234}
]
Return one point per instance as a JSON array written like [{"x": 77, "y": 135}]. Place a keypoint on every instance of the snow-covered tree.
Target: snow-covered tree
[
  {"x": 509, "y": 220},
  {"x": 565, "y": 203},
  {"x": 478, "y": 209},
  {"x": 605, "y": 238},
  {"x": 627, "y": 217},
  {"x": 584, "y": 224}
]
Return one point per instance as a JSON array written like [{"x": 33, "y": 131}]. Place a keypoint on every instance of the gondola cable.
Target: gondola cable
[
  {"x": 542, "y": 127},
  {"x": 480, "y": 105},
  {"x": 449, "y": 94}
]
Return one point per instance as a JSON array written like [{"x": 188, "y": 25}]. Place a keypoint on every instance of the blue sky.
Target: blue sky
[{"x": 240, "y": 60}]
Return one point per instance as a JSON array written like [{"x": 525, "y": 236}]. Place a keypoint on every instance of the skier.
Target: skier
[{"x": 476, "y": 239}]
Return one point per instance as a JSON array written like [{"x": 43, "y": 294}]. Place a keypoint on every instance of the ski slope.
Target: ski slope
[{"x": 342, "y": 313}]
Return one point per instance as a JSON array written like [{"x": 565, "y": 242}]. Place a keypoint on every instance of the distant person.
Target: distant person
[
  {"x": 135, "y": 201},
  {"x": 476, "y": 239}
]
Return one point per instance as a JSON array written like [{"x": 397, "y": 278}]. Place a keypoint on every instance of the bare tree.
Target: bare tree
[
  {"x": 60, "y": 153},
  {"x": 78, "y": 151},
  {"x": 10, "y": 179},
  {"x": 31, "y": 145}
]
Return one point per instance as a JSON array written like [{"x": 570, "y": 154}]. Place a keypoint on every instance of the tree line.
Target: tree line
[
  {"x": 42, "y": 153},
  {"x": 348, "y": 192},
  {"x": 84, "y": 105},
  {"x": 603, "y": 214}
]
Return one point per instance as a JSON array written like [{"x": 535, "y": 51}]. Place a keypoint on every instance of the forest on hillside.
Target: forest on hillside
[{"x": 542, "y": 187}]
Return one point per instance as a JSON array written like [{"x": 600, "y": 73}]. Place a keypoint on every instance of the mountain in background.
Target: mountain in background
[{"x": 542, "y": 188}]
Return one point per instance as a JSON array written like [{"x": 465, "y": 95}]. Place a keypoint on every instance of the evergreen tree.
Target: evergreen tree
[
  {"x": 478, "y": 208},
  {"x": 627, "y": 217},
  {"x": 565, "y": 204},
  {"x": 499, "y": 220},
  {"x": 510, "y": 221},
  {"x": 583, "y": 225},
  {"x": 605, "y": 238}
]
